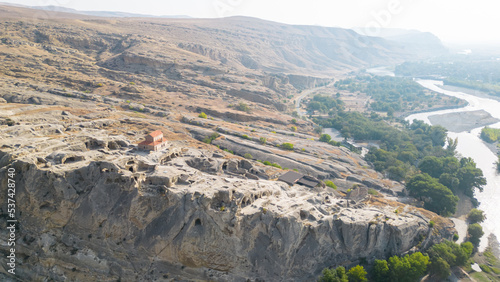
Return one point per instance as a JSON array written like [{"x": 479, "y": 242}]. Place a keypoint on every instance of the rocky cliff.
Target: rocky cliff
[{"x": 92, "y": 207}]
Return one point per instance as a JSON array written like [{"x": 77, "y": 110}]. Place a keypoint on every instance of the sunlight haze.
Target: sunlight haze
[{"x": 451, "y": 21}]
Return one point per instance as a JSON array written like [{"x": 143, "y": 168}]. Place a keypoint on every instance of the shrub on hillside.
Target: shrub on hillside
[{"x": 330, "y": 184}]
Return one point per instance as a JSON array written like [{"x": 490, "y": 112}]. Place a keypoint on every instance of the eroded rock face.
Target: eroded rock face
[{"x": 96, "y": 219}]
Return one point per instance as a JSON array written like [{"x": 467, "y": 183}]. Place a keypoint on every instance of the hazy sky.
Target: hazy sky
[{"x": 454, "y": 21}]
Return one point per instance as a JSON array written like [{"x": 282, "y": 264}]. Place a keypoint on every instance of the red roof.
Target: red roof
[
  {"x": 163, "y": 140},
  {"x": 155, "y": 133}
]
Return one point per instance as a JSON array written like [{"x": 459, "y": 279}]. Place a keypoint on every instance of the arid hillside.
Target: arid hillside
[{"x": 211, "y": 62}]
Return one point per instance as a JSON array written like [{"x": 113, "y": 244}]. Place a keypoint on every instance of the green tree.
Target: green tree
[
  {"x": 450, "y": 165},
  {"x": 407, "y": 268},
  {"x": 418, "y": 265},
  {"x": 333, "y": 275},
  {"x": 437, "y": 197},
  {"x": 451, "y": 147},
  {"x": 335, "y": 143},
  {"x": 452, "y": 253},
  {"x": 397, "y": 173},
  {"x": 475, "y": 232},
  {"x": 316, "y": 106},
  {"x": 287, "y": 146},
  {"x": 318, "y": 129},
  {"x": 407, "y": 156},
  {"x": 380, "y": 271},
  {"x": 262, "y": 140},
  {"x": 330, "y": 184},
  {"x": 357, "y": 274},
  {"x": 211, "y": 138},
  {"x": 470, "y": 177},
  {"x": 440, "y": 268},
  {"x": 450, "y": 181},
  {"x": 431, "y": 165},
  {"x": 397, "y": 268},
  {"x": 438, "y": 135},
  {"x": 243, "y": 107},
  {"x": 467, "y": 248},
  {"x": 490, "y": 135},
  {"x": 476, "y": 216},
  {"x": 202, "y": 115},
  {"x": 325, "y": 138}
]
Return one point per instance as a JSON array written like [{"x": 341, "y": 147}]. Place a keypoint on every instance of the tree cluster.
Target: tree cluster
[
  {"x": 442, "y": 178},
  {"x": 437, "y": 261},
  {"x": 437, "y": 197},
  {"x": 391, "y": 94},
  {"x": 408, "y": 268},
  {"x": 446, "y": 255},
  {"x": 325, "y": 104},
  {"x": 411, "y": 152},
  {"x": 481, "y": 74},
  {"x": 355, "y": 274},
  {"x": 414, "y": 153},
  {"x": 490, "y": 135}
]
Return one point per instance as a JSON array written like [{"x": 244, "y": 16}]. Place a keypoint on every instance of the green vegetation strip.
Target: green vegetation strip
[
  {"x": 413, "y": 153},
  {"x": 437, "y": 261}
]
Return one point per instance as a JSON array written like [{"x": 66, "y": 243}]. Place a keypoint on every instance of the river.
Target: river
[{"x": 470, "y": 145}]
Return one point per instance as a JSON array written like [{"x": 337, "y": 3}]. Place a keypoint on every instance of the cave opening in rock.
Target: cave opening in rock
[
  {"x": 197, "y": 222},
  {"x": 72, "y": 159}
]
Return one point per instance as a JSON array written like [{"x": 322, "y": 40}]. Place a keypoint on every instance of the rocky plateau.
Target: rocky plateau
[{"x": 94, "y": 207}]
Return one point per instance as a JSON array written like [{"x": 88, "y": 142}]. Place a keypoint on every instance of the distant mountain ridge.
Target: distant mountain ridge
[
  {"x": 109, "y": 14},
  {"x": 242, "y": 43},
  {"x": 424, "y": 43},
  {"x": 419, "y": 44}
]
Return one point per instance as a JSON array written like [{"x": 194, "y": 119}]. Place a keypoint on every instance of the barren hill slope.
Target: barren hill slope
[
  {"x": 197, "y": 61},
  {"x": 248, "y": 42}
]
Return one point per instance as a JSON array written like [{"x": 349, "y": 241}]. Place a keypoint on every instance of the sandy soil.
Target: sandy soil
[
  {"x": 463, "y": 121},
  {"x": 493, "y": 147}
]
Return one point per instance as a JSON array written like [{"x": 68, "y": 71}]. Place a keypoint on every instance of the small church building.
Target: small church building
[{"x": 154, "y": 142}]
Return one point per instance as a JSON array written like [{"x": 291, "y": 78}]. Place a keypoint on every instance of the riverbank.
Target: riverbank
[
  {"x": 407, "y": 114},
  {"x": 488, "y": 262},
  {"x": 470, "y": 91},
  {"x": 493, "y": 147}
]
